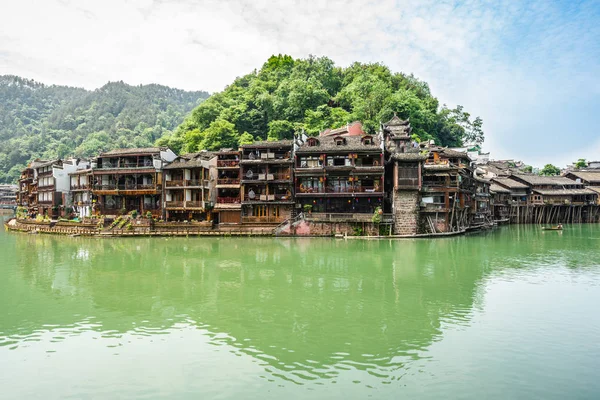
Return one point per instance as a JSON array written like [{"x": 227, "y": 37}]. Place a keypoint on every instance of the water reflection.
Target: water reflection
[{"x": 305, "y": 310}]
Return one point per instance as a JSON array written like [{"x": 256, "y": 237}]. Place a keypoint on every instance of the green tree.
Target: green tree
[
  {"x": 581, "y": 163},
  {"x": 550, "y": 170},
  {"x": 220, "y": 134},
  {"x": 287, "y": 95},
  {"x": 245, "y": 138}
]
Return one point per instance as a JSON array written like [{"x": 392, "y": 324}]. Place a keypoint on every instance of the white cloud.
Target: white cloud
[{"x": 521, "y": 66}]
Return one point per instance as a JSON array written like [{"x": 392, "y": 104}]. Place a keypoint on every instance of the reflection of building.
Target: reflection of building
[
  {"x": 228, "y": 203},
  {"x": 230, "y": 287},
  {"x": 130, "y": 179},
  {"x": 267, "y": 189},
  {"x": 189, "y": 186},
  {"x": 340, "y": 172}
]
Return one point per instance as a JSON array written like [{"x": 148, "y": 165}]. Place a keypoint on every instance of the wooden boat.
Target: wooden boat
[{"x": 552, "y": 228}]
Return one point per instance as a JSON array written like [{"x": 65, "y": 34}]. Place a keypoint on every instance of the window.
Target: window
[{"x": 311, "y": 142}]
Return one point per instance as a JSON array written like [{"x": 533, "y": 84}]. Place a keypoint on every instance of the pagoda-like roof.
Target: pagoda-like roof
[{"x": 398, "y": 127}]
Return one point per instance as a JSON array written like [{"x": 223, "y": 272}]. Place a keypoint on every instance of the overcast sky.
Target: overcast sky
[{"x": 530, "y": 69}]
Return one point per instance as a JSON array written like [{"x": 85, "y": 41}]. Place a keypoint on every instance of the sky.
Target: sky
[{"x": 529, "y": 69}]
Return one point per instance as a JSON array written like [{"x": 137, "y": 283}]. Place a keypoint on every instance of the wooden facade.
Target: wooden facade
[
  {"x": 267, "y": 192},
  {"x": 340, "y": 172}
]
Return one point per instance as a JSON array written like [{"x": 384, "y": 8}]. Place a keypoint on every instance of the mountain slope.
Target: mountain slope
[{"x": 37, "y": 120}]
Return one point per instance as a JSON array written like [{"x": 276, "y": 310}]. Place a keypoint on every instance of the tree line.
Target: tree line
[{"x": 288, "y": 95}]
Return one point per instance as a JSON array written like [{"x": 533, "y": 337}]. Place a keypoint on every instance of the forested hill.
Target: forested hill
[
  {"x": 290, "y": 95},
  {"x": 37, "y": 120}
]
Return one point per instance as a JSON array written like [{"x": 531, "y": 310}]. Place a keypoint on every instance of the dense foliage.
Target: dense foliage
[
  {"x": 550, "y": 170},
  {"x": 58, "y": 121},
  {"x": 289, "y": 95}
]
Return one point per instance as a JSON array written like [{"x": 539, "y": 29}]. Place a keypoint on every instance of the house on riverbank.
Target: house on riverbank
[
  {"x": 340, "y": 175},
  {"x": 267, "y": 190},
  {"x": 189, "y": 187},
  {"x": 343, "y": 180},
  {"x": 130, "y": 179}
]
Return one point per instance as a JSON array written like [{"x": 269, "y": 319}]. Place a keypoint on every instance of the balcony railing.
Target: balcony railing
[
  {"x": 184, "y": 204},
  {"x": 228, "y": 163},
  {"x": 46, "y": 187},
  {"x": 80, "y": 187},
  {"x": 108, "y": 186},
  {"x": 175, "y": 183},
  {"x": 194, "y": 182},
  {"x": 228, "y": 200},
  {"x": 263, "y": 220},
  {"x": 228, "y": 181}
]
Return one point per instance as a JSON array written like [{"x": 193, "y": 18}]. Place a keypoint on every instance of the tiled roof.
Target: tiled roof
[
  {"x": 192, "y": 160},
  {"x": 142, "y": 150},
  {"x": 498, "y": 189},
  {"x": 510, "y": 183},
  {"x": 409, "y": 156},
  {"x": 545, "y": 180},
  {"x": 352, "y": 143},
  {"x": 563, "y": 192},
  {"x": 588, "y": 176},
  {"x": 43, "y": 163},
  {"x": 269, "y": 144}
]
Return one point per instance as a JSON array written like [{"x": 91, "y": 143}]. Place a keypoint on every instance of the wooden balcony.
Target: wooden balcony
[
  {"x": 228, "y": 181},
  {"x": 81, "y": 187},
  {"x": 227, "y": 163},
  {"x": 184, "y": 205},
  {"x": 228, "y": 200},
  {"x": 175, "y": 183},
  {"x": 46, "y": 188}
]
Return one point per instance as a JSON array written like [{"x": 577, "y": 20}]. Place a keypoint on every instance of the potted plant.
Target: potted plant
[{"x": 308, "y": 209}]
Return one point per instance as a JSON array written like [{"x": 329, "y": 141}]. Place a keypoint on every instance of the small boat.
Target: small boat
[{"x": 552, "y": 228}]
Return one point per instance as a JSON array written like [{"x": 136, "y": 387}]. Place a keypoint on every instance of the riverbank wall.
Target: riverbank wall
[{"x": 168, "y": 229}]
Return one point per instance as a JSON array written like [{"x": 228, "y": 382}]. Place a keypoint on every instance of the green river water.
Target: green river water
[{"x": 510, "y": 314}]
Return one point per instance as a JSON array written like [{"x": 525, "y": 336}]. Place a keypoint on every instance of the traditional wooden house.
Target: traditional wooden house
[
  {"x": 228, "y": 203},
  {"x": 189, "y": 186},
  {"x": 557, "y": 190},
  {"x": 27, "y": 195},
  {"x": 81, "y": 198},
  {"x": 403, "y": 176},
  {"x": 130, "y": 179},
  {"x": 586, "y": 177},
  {"x": 48, "y": 199},
  {"x": 447, "y": 202},
  {"x": 340, "y": 174},
  {"x": 267, "y": 190}
]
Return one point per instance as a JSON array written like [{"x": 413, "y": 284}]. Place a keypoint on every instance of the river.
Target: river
[{"x": 508, "y": 314}]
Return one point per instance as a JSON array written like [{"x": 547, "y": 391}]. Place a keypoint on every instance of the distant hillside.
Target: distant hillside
[
  {"x": 290, "y": 95},
  {"x": 37, "y": 120}
]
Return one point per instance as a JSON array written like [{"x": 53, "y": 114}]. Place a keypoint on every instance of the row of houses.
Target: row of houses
[
  {"x": 341, "y": 176},
  {"x": 530, "y": 198}
]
